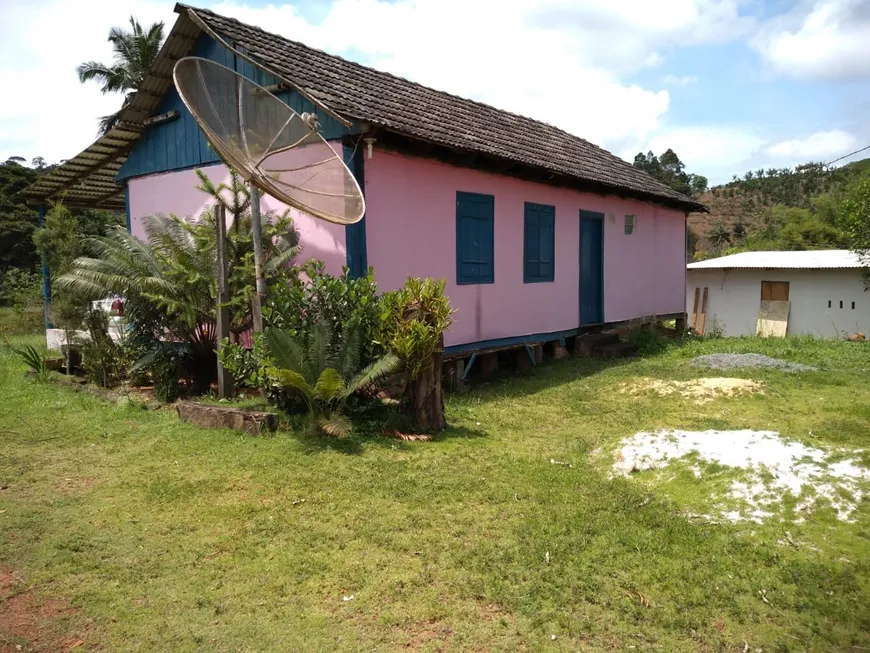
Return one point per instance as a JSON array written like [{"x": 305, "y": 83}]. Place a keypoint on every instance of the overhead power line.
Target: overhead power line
[{"x": 846, "y": 156}]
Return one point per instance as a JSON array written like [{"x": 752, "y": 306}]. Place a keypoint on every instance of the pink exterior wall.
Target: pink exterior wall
[
  {"x": 411, "y": 230},
  {"x": 176, "y": 192}
]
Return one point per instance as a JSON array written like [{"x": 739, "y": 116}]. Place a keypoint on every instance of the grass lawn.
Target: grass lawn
[{"x": 126, "y": 530}]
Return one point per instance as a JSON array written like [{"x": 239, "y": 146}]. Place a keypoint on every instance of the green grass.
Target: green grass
[{"x": 169, "y": 537}]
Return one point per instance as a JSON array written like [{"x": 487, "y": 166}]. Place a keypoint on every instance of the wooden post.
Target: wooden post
[
  {"x": 46, "y": 278},
  {"x": 703, "y": 317},
  {"x": 224, "y": 382},
  {"x": 260, "y": 274},
  {"x": 695, "y": 310}
]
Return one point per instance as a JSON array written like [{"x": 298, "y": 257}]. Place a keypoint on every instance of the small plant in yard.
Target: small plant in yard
[
  {"x": 34, "y": 359},
  {"x": 103, "y": 360},
  {"x": 414, "y": 319},
  {"x": 324, "y": 372},
  {"x": 648, "y": 341}
]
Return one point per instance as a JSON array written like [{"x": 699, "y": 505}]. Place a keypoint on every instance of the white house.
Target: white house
[{"x": 821, "y": 292}]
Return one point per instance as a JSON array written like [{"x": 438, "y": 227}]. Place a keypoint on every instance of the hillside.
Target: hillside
[{"x": 744, "y": 206}]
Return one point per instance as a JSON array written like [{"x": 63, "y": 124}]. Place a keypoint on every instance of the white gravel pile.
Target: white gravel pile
[{"x": 772, "y": 467}]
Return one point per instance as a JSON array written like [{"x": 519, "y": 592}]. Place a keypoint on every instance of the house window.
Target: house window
[
  {"x": 539, "y": 243},
  {"x": 774, "y": 291},
  {"x": 474, "y": 238},
  {"x": 630, "y": 224}
]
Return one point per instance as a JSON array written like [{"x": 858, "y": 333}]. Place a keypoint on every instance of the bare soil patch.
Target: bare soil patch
[
  {"x": 27, "y": 619},
  {"x": 700, "y": 390}
]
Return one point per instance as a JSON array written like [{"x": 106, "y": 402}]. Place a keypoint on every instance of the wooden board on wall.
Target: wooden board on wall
[
  {"x": 703, "y": 318},
  {"x": 695, "y": 310},
  {"x": 773, "y": 319}
]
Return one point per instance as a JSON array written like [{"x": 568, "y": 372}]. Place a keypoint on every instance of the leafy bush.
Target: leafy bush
[
  {"x": 315, "y": 297},
  {"x": 648, "y": 341},
  {"x": 104, "y": 361},
  {"x": 169, "y": 364},
  {"x": 17, "y": 285},
  {"x": 325, "y": 371}
]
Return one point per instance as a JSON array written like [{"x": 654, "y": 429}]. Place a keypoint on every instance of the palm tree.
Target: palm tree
[
  {"x": 719, "y": 235},
  {"x": 135, "y": 52}
]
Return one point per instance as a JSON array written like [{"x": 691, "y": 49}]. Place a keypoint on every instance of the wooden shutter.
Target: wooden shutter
[
  {"x": 774, "y": 291},
  {"x": 475, "y": 238},
  {"x": 539, "y": 243}
]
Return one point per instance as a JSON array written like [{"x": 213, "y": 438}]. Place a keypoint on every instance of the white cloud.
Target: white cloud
[
  {"x": 561, "y": 61},
  {"x": 708, "y": 150},
  {"x": 820, "y": 146},
  {"x": 825, "y": 39},
  {"x": 676, "y": 80},
  {"x": 45, "y": 110}
]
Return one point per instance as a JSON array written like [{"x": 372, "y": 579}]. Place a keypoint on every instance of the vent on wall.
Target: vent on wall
[{"x": 630, "y": 224}]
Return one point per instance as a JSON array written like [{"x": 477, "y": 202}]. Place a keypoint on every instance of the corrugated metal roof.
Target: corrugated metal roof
[{"x": 809, "y": 260}]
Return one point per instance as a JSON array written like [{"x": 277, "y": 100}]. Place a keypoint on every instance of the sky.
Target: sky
[{"x": 730, "y": 85}]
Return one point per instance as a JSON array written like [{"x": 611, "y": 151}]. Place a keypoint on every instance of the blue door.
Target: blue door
[{"x": 591, "y": 267}]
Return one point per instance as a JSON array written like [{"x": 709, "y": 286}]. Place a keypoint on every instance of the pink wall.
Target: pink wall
[
  {"x": 176, "y": 192},
  {"x": 411, "y": 230}
]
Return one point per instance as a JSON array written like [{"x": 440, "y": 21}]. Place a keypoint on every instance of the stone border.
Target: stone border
[{"x": 252, "y": 422}]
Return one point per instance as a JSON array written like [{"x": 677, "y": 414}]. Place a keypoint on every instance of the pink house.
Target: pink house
[{"x": 539, "y": 234}]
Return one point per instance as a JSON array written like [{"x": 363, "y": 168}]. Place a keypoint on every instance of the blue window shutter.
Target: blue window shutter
[
  {"x": 539, "y": 243},
  {"x": 475, "y": 238}
]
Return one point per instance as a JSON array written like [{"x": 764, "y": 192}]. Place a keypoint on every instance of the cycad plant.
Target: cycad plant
[
  {"x": 325, "y": 373},
  {"x": 169, "y": 283}
]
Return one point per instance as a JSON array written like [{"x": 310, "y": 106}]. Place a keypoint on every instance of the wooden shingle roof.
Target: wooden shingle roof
[{"x": 399, "y": 105}]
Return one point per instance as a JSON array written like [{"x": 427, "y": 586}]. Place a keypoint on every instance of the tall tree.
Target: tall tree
[
  {"x": 856, "y": 217},
  {"x": 135, "y": 52},
  {"x": 670, "y": 170}
]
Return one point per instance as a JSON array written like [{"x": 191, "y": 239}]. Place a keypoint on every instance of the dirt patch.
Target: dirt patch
[
  {"x": 700, "y": 390},
  {"x": 69, "y": 486},
  {"x": 424, "y": 634},
  {"x": 26, "y": 619}
]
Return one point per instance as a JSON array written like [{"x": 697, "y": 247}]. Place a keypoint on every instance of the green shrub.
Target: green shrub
[
  {"x": 314, "y": 297},
  {"x": 648, "y": 341},
  {"x": 104, "y": 361}
]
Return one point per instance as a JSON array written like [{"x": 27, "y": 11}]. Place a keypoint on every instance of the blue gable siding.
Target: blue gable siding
[{"x": 180, "y": 143}]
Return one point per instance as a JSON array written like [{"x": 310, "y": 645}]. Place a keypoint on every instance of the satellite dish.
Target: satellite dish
[{"x": 270, "y": 145}]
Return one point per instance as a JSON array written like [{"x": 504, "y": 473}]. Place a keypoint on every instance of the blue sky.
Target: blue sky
[{"x": 731, "y": 85}]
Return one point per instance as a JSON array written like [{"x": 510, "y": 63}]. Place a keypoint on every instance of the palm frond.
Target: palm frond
[
  {"x": 285, "y": 351},
  {"x": 334, "y": 424},
  {"x": 329, "y": 385},
  {"x": 348, "y": 358},
  {"x": 319, "y": 355},
  {"x": 371, "y": 373},
  {"x": 291, "y": 379}
]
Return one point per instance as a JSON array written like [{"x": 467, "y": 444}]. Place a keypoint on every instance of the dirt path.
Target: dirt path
[{"x": 28, "y": 621}]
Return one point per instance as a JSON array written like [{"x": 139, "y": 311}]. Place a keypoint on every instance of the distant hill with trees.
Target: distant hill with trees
[{"x": 777, "y": 209}]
